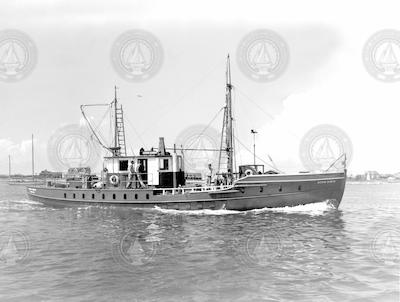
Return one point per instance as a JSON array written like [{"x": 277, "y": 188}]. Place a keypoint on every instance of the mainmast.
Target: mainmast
[{"x": 229, "y": 119}]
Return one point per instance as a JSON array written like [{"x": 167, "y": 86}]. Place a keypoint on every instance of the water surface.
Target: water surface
[{"x": 306, "y": 253}]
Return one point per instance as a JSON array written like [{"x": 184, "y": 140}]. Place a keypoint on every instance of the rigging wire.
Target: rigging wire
[
  {"x": 205, "y": 128},
  {"x": 100, "y": 123},
  {"x": 263, "y": 110},
  {"x": 91, "y": 128},
  {"x": 259, "y": 158},
  {"x": 170, "y": 106},
  {"x": 136, "y": 132}
]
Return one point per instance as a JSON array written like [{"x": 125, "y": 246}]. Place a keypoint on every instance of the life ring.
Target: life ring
[
  {"x": 114, "y": 179},
  {"x": 248, "y": 172}
]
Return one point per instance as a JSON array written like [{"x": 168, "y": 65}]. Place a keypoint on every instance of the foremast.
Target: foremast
[{"x": 119, "y": 148}]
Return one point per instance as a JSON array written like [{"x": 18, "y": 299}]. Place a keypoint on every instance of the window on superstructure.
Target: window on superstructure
[
  {"x": 164, "y": 164},
  {"x": 179, "y": 163},
  {"x": 123, "y": 165}
]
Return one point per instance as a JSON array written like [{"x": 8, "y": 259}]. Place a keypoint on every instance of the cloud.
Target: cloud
[{"x": 21, "y": 155}]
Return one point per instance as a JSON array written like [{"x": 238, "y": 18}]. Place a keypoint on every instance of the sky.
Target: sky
[{"x": 325, "y": 80}]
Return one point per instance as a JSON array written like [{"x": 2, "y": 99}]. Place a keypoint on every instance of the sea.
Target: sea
[{"x": 105, "y": 253}]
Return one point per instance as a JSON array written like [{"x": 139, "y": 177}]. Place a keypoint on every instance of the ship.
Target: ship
[{"x": 156, "y": 178}]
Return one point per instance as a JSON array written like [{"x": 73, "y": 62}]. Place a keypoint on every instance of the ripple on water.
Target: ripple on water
[{"x": 305, "y": 253}]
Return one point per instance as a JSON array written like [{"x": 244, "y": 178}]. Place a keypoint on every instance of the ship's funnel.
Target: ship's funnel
[{"x": 161, "y": 146}]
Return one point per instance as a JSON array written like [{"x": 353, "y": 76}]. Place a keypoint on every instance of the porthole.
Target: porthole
[
  {"x": 280, "y": 188},
  {"x": 113, "y": 196},
  {"x": 136, "y": 196},
  {"x": 73, "y": 195},
  {"x": 147, "y": 196},
  {"x": 92, "y": 196},
  {"x": 261, "y": 189},
  {"x": 103, "y": 196},
  {"x": 83, "y": 196},
  {"x": 65, "y": 195},
  {"x": 299, "y": 188},
  {"x": 124, "y": 196}
]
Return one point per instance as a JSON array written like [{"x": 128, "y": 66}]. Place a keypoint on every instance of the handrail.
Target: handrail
[
  {"x": 182, "y": 190},
  {"x": 336, "y": 160},
  {"x": 163, "y": 191}
]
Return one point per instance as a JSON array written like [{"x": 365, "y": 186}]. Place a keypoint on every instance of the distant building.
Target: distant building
[{"x": 371, "y": 175}]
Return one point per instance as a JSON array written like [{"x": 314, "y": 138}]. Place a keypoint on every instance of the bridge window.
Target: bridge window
[
  {"x": 164, "y": 164},
  {"x": 179, "y": 162},
  {"x": 123, "y": 165}
]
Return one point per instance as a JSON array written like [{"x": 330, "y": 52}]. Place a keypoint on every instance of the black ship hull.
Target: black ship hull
[{"x": 250, "y": 192}]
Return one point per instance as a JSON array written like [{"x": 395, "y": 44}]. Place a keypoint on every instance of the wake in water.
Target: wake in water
[
  {"x": 199, "y": 212},
  {"x": 318, "y": 208},
  {"x": 23, "y": 204}
]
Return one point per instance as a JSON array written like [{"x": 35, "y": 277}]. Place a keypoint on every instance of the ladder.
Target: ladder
[{"x": 119, "y": 117}]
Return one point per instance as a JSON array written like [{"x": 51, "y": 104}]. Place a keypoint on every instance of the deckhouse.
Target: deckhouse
[{"x": 156, "y": 168}]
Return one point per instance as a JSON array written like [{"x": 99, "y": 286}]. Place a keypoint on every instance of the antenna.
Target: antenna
[{"x": 254, "y": 132}]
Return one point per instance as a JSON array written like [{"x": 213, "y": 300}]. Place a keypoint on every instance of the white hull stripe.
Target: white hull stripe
[{"x": 289, "y": 180}]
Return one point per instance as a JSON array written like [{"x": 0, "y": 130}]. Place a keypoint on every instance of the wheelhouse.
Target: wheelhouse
[{"x": 157, "y": 168}]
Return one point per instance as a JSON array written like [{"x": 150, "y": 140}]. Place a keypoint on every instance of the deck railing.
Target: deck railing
[
  {"x": 183, "y": 190},
  {"x": 161, "y": 191}
]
